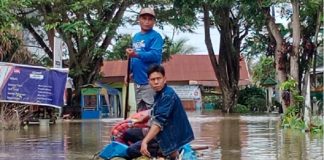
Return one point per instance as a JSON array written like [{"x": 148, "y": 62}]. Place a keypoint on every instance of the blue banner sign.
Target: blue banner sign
[{"x": 32, "y": 84}]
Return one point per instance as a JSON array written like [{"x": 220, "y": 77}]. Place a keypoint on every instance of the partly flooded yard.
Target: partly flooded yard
[{"x": 229, "y": 137}]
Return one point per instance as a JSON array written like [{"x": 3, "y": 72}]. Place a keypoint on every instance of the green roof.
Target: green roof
[{"x": 269, "y": 82}]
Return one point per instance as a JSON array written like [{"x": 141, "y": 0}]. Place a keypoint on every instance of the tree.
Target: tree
[
  {"x": 311, "y": 21},
  {"x": 86, "y": 27},
  {"x": 179, "y": 47},
  {"x": 232, "y": 20},
  {"x": 227, "y": 66},
  {"x": 295, "y": 44},
  {"x": 296, "y": 33},
  {"x": 277, "y": 45},
  {"x": 118, "y": 51},
  {"x": 171, "y": 47},
  {"x": 7, "y": 18},
  {"x": 11, "y": 48},
  {"x": 254, "y": 47}
]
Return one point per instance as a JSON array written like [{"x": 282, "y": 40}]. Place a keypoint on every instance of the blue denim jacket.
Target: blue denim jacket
[{"x": 170, "y": 115}]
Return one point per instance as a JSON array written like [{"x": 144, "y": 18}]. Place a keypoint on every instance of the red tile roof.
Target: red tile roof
[
  {"x": 196, "y": 68},
  {"x": 114, "y": 68}
]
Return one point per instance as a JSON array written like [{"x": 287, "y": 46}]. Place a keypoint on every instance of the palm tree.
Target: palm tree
[
  {"x": 12, "y": 49},
  {"x": 177, "y": 47},
  {"x": 180, "y": 47}
]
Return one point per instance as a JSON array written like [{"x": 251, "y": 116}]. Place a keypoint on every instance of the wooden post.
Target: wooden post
[{"x": 127, "y": 89}]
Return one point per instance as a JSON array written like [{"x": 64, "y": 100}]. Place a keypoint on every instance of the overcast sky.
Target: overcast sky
[{"x": 196, "y": 39}]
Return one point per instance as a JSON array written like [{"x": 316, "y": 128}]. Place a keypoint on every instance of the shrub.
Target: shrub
[
  {"x": 10, "y": 115},
  {"x": 253, "y": 97},
  {"x": 256, "y": 103},
  {"x": 291, "y": 119},
  {"x": 239, "y": 108},
  {"x": 317, "y": 125},
  {"x": 213, "y": 99}
]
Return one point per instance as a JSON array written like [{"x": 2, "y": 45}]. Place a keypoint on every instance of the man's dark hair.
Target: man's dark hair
[{"x": 155, "y": 68}]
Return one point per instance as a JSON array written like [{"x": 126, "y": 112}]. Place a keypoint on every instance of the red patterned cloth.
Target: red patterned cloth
[{"x": 137, "y": 120}]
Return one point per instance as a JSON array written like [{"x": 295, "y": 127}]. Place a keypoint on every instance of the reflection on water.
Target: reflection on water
[{"x": 229, "y": 137}]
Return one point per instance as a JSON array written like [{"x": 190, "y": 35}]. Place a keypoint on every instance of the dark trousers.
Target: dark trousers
[
  {"x": 142, "y": 106},
  {"x": 134, "y": 137}
]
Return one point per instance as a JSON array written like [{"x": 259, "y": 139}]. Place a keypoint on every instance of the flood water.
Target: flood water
[{"x": 229, "y": 137}]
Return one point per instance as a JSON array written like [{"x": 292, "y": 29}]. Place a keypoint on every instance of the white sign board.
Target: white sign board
[
  {"x": 58, "y": 53},
  {"x": 188, "y": 91}
]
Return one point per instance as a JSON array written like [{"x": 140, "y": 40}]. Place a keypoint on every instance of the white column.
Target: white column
[
  {"x": 58, "y": 53},
  {"x": 307, "y": 115}
]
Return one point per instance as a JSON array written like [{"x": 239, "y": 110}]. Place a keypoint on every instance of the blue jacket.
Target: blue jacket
[
  {"x": 148, "y": 47},
  {"x": 170, "y": 115}
]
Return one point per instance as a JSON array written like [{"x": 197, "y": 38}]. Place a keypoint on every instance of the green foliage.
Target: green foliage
[
  {"x": 317, "y": 126},
  {"x": 185, "y": 14},
  {"x": 79, "y": 70},
  {"x": 231, "y": 18},
  {"x": 77, "y": 27},
  {"x": 263, "y": 69},
  {"x": 320, "y": 58},
  {"x": 118, "y": 51},
  {"x": 257, "y": 104},
  {"x": 210, "y": 99},
  {"x": 254, "y": 45},
  {"x": 291, "y": 86},
  {"x": 291, "y": 119},
  {"x": 248, "y": 92},
  {"x": 213, "y": 100},
  {"x": 86, "y": 26},
  {"x": 239, "y": 108},
  {"x": 5, "y": 16},
  {"x": 253, "y": 97},
  {"x": 308, "y": 15},
  {"x": 12, "y": 50},
  {"x": 166, "y": 51},
  {"x": 175, "y": 47},
  {"x": 4, "y": 12},
  {"x": 180, "y": 47},
  {"x": 8, "y": 8}
]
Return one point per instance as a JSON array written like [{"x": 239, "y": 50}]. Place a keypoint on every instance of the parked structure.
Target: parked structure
[{"x": 100, "y": 101}]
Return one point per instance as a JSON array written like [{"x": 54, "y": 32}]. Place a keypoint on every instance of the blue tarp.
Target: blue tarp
[{"x": 114, "y": 149}]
